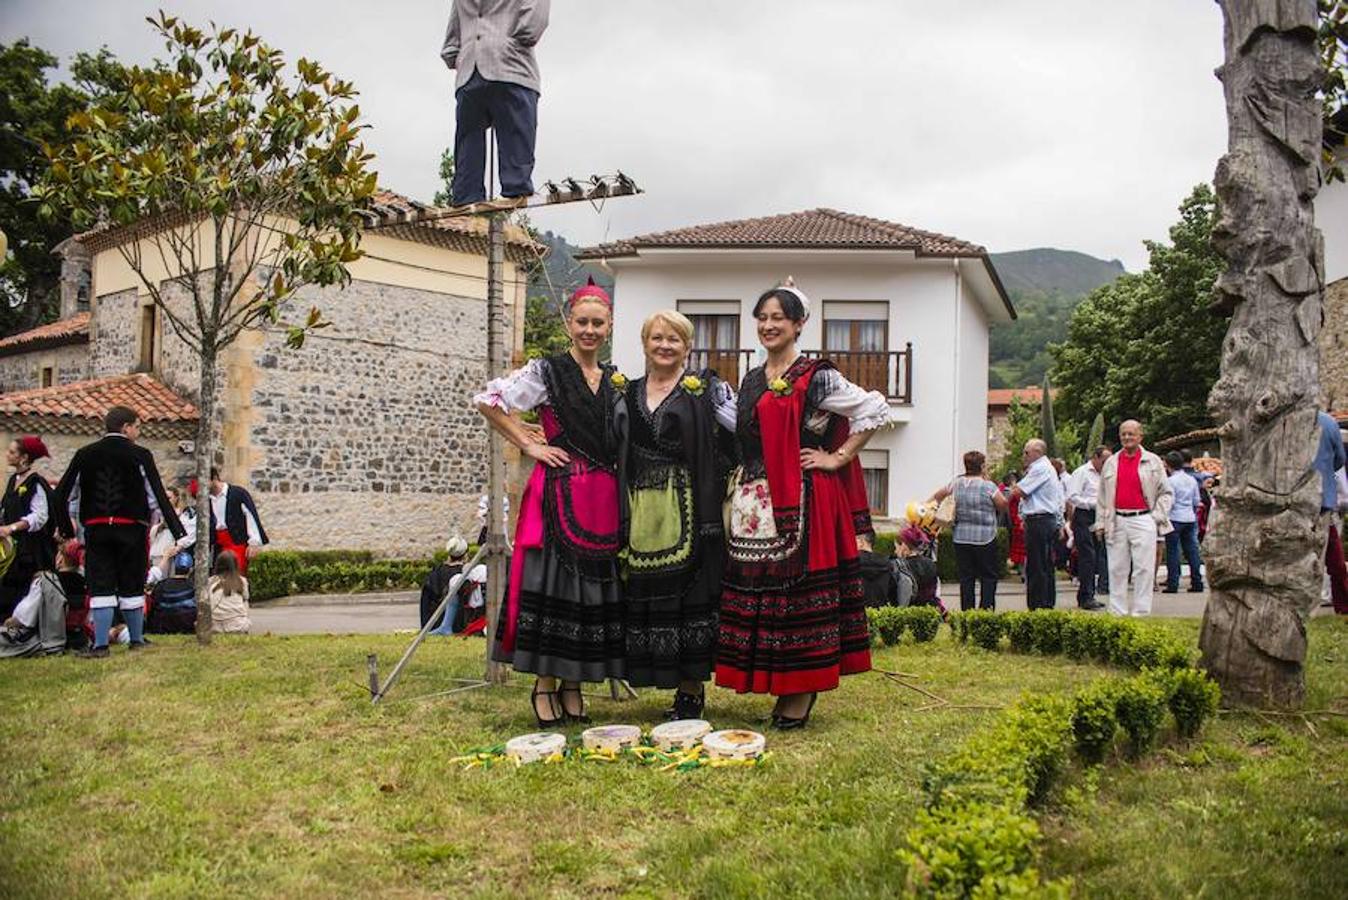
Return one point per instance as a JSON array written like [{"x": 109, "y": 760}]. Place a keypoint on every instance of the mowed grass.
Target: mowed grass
[
  {"x": 1256, "y": 806},
  {"x": 259, "y": 767}
]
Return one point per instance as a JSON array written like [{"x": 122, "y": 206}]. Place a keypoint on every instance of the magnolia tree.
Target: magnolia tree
[{"x": 249, "y": 181}]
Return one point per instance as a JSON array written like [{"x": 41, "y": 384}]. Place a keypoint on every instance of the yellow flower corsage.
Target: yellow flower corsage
[
  {"x": 693, "y": 385},
  {"x": 23, "y": 489},
  {"x": 780, "y": 386},
  {"x": 619, "y": 381}
]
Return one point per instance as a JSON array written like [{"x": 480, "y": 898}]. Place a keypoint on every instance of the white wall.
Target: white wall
[
  {"x": 1331, "y": 217},
  {"x": 923, "y": 297}
]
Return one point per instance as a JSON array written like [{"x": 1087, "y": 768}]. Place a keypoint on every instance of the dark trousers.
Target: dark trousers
[
  {"x": 977, "y": 564},
  {"x": 1041, "y": 530},
  {"x": 1184, "y": 536},
  {"x": 1092, "y": 567},
  {"x": 116, "y": 559},
  {"x": 512, "y": 111}
]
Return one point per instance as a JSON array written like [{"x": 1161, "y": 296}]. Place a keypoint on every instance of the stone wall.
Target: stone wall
[
  {"x": 1334, "y": 347},
  {"x": 23, "y": 371},
  {"x": 999, "y": 426},
  {"x": 115, "y": 335}
]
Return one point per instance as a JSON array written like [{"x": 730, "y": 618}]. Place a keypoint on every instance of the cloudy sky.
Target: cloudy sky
[{"x": 1015, "y": 124}]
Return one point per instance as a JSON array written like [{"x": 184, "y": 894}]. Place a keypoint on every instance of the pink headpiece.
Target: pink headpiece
[
  {"x": 591, "y": 291},
  {"x": 31, "y": 446}
]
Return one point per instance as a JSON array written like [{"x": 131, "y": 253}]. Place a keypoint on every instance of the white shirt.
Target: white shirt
[
  {"x": 1083, "y": 488},
  {"x": 37, "y": 512},
  {"x": 218, "y": 510}
]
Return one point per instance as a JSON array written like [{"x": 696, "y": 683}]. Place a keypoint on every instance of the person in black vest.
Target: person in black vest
[
  {"x": 115, "y": 486},
  {"x": 242, "y": 529},
  {"x": 25, "y": 513}
]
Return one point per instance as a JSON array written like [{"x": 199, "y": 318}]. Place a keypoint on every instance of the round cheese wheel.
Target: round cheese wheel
[
  {"x": 681, "y": 734},
  {"x": 734, "y": 744},
  {"x": 530, "y": 748},
  {"x": 615, "y": 738}
]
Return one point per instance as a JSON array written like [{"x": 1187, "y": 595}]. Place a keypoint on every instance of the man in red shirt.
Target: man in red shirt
[{"x": 1133, "y": 511}]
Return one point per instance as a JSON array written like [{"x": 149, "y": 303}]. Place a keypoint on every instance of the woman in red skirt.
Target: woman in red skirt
[
  {"x": 1016, "y": 545},
  {"x": 792, "y": 618}
]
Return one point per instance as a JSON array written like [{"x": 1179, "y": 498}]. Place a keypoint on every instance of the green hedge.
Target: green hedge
[
  {"x": 888, "y": 623},
  {"x": 976, "y": 837},
  {"x": 278, "y": 573}
]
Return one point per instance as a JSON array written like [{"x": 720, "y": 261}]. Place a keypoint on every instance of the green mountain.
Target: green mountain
[
  {"x": 561, "y": 274},
  {"x": 1045, "y": 285}
]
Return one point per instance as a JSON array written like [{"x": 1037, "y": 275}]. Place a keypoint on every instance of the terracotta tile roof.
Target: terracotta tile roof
[
  {"x": 811, "y": 228},
  {"x": 151, "y": 398},
  {"x": 1002, "y": 397},
  {"x": 390, "y": 213},
  {"x": 74, "y": 330}
]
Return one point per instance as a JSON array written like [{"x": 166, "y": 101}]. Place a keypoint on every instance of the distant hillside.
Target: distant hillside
[
  {"x": 561, "y": 274},
  {"x": 1045, "y": 270},
  {"x": 1045, "y": 285}
]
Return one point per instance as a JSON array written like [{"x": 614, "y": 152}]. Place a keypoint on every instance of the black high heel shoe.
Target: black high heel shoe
[
  {"x": 568, "y": 714},
  {"x": 686, "y": 706},
  {"x": 553, "y": 703},
  {"x": 789, "y": 723}
]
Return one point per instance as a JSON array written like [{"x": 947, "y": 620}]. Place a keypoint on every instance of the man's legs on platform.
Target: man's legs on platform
[
  {"x": 514, "y": 115},
  {"x": 471, "y": 121}
]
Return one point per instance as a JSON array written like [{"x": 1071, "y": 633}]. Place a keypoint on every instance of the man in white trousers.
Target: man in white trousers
[{"x": 1133, "y": 511}]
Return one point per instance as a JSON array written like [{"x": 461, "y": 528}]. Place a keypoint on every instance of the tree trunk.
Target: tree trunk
[
  {"x": 205, "y": 444},
  {"x": 1267, "y": 542}
]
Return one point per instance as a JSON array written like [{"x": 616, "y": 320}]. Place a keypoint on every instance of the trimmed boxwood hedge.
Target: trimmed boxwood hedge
[
  {"x": 945, "y": 553},
  {"x": 279, "y": 573}
]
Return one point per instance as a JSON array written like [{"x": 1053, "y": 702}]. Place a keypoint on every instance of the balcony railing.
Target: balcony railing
[{"x": 888, "y": 371}]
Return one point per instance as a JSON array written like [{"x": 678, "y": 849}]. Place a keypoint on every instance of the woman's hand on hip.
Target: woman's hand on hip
[
  {"x": 553, "y": 457},
  {"x": 819, "y": 460}
]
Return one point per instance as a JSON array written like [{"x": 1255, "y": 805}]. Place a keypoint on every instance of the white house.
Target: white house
[{"x": 899, "y": 310}]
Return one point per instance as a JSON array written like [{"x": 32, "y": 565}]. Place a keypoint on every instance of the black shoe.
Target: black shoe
[
  {"x": 94, "y": 653},
  {"x": 787, "y": 723},
  {"x": 568, "y": 714},
  {"x": 553, "y": 703},
  {"x": 1093, "y": 606},
  {"x": 1197, "y": 590},
  {"x": 1170, "y": 590},
  {"x": 686, "y": 706}
]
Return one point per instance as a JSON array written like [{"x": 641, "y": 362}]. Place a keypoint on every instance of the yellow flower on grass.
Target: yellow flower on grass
[
  {"x": 780, "y": 386},
  {"x": 693, "y": 385},
  {"x": 618, "y": 380}
]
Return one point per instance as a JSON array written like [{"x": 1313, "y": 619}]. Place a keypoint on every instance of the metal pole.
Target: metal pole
[
  {"x": 453, "y": 588},
  {"x": 495, "y": 672}
]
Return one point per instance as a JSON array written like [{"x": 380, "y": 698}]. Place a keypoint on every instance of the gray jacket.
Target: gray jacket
[
  {"x": 1156, "y": 490},
  {"x": 495, "y": 38}
]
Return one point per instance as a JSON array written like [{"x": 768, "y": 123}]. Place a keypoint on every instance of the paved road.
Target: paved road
[{"x": 388, "y": 612}]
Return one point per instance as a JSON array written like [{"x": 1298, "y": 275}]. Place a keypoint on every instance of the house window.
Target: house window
[
  {"x": 47, "y": 376},
  {"x": 149, "y": 318},
  {"x": 856, "y": 339},
  {"x": 875, "y": 472},
  {"x": 716, "y": 336}
]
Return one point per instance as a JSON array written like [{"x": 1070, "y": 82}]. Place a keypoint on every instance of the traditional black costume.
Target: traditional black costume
[{"x": 27, "y": 496}]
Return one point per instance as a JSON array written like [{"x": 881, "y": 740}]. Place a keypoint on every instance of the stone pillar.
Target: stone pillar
[{"x": 76, "y": 277}]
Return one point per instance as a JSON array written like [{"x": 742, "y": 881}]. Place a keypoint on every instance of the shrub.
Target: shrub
[
  {"x": 883, "y": 544},
  {"x": 959, "y": 627},
  {"x": 1094, "y": 721},
  {"x": 887, "y": 622},
  {"x": 985, "y": 628},
  {"x": 1193, "y": 698},
  {"x": 1020, "y": 630},
  {"x": 1076, "y": 638},
  {"x": 1139, "y": 704},
  {"x": 923, "y": 623},
  {"x": 1046, "y": 625},
  {"x": 277, "y": 573},
  {"x": 966, "y": 850}
]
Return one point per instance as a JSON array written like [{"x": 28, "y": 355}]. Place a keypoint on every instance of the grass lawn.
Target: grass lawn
[{"x": 259, "y": 766}]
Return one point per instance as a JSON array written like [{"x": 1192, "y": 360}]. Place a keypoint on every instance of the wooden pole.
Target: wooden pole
[{"x": 495, "y": 672}]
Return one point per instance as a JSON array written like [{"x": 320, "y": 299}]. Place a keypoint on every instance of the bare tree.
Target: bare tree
[{"x": 1267, "y": 536}]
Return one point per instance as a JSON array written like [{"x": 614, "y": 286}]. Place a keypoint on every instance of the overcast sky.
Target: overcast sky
[{"x": 1014, "y": 124}]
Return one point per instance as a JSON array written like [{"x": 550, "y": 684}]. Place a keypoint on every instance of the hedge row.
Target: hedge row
[
  {"x": 976, "y": 837},
  {"x": 888, "y": 623},
  {"x": 945, "y": 553},
  {"x": 1108, "y": 639},
  {"x": 279, "y": 573}
]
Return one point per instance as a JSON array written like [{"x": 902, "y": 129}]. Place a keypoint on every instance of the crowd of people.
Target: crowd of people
[{"x": 78, "y": 550}]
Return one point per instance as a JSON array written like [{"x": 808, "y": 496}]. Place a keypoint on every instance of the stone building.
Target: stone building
[{"x": 364, "y": 438}]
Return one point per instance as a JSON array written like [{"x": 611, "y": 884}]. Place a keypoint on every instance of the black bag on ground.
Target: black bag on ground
[{"x": 173, "y": 606}]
